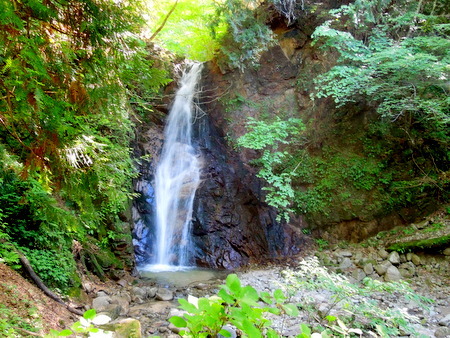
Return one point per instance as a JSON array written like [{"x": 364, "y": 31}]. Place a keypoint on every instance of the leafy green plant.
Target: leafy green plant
[
  {"x": 310, "y": 275},
  {"x": 55, "y": 268},
  {"x": 322, "y": 243},
  {"x": 18, "y": 316},
  {"x": 86, "y": 326},
  {"x": 241, "y": 33},
  {"x": 241, "y": 306},
  {"x": 267, "y": 137}
]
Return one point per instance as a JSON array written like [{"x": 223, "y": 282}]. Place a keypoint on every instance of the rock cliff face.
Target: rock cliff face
[{"x": 231, "y": 225}]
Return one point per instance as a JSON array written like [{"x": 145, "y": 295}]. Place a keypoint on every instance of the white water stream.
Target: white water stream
[{"x": 176, "y": 180}]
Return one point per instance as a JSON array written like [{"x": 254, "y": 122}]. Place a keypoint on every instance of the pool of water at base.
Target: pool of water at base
[{"x": 180, "y": 276}]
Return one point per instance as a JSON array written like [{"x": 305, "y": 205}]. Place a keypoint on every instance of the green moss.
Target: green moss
[{"x": 429, "y": 243}]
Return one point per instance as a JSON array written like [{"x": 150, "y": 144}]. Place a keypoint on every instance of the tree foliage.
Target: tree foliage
[
  {"x": 396, "y": 58},
  {"x": 190, "y": 17},
  {"x": 268, "y": 137},
  {"x": 240, "y": 29},
  {"x": 66, "y": 78}
]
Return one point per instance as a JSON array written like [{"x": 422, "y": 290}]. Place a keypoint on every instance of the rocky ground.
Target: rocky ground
[
  {"x": 325, "y": 274},
  {"x": 324, "y": 280}
]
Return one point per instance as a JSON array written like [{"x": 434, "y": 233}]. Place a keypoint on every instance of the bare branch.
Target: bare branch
[{"x": 164, "y": 21}]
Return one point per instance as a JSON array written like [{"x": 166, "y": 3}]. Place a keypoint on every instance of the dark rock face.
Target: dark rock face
[{"x": 231, "y": 224}]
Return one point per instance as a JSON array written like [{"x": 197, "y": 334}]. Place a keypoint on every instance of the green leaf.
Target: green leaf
[
  {"x": 279, "y": 296},
  {"x": 290, "y": 309},
  {"x": 178, "y": 321},
  {"x": 89, "y": 314},
  {"x": 304, "y": 329},
  {"x": 233, "y": 283},
  {"x": 250, "y": 329},
  {"x": 225, "y": 333},
  {"x": 65, "y": 333}
]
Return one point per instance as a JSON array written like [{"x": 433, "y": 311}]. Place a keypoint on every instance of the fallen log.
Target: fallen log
[{"x": 26, "y": 264}]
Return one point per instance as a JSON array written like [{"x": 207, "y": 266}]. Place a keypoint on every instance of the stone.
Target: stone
[
  {"x": 346, "y": 263},
  {"x": 164, "y": 294},
  {"x": 446, "y": 252},
  {"x": 112, "y": 310},
  {"x": 232, "y": 331},
  {"x": 383, "y": 253},
  {"x": 122, "y": 282},
  {"x": 422, "y": 224},
  {"x": 407, "y": 270},
  {"x": 445, "y": 321},
  {"x": 89, "y": 287},
  {"x": 442, "y": 332},
  {"x": 124, "y": 303},
  {"x": 408, "y": 256},
  {"x": 382, "y": 267},
  {"x": 392, "y": 274},
  {"x": 124, "y": 328},
  {"x": 150, "y": 291},
  {"x": 344, "y": 253},
  {"x": 358, "y": 275},
  {"x": 139, "y": 292},
  {"x": 368, "y": 268},
  {"x": 403, "y": 259},
  {"x": 394, "y": 257},
  {"x": 415, "y": 259},
  {"x": 101, "y": 303}
]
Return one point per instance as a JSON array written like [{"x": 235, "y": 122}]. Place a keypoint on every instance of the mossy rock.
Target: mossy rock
[
  {"x": 421, "y": 244},
  {"x": 125, "y": 328},
  {"x": 107, "y": 259}
]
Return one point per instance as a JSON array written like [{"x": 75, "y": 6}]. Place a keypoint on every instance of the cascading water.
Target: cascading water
[{"x": 177, "y": 178}]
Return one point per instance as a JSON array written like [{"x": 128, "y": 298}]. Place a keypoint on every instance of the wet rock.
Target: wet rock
[
  {"x": 164, "y": 294},
  {"x": 392, "y": 274},
  {"x": 122, "y": 282},
  {"x": 139, "y": 292},
  {"x": 150, "y": 291},
  {"x": 446, "y": 252},
  {"x": 394, "y": 257},
  {"x": 113, "y": 311}
]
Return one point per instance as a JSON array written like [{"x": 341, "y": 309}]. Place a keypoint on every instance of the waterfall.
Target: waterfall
[{"x": 177, "y": 178}]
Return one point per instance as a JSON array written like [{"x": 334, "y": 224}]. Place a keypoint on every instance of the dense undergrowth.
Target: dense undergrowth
[
  {"x": 384, "y": 145},
  {"x": 68, "y": 86}
]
